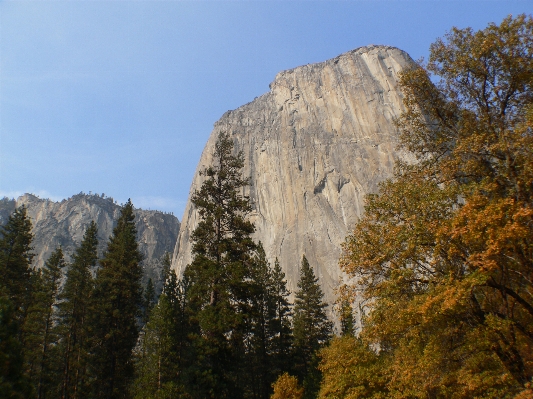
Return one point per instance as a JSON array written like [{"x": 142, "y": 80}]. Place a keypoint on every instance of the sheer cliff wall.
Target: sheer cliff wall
[
  {"x": 64, "y": 223},
  {"x": 320, "y": 140}
]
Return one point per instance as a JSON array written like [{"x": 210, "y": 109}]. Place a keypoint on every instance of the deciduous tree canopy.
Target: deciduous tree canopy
[{"x": 443, "y": 254}]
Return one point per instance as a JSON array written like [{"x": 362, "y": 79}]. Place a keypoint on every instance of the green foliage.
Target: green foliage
[
  {"x": 117, "y": 301},
  {"x": 15, "y": 260},
  {"x": 162, "y": 364},
  {"x": 279, "y": 323},
  {"x": 74, "y": 311},
  {"x": 149, "y": 300},
  {"x": 41, "y": 325},
  {"x": 347, "y": 319},
  {"x": 13, "y": 382},
  {"x": 312, "y": 329},
  {"x": 268, "y": 342},
  {"x": 220, "y": 273}
]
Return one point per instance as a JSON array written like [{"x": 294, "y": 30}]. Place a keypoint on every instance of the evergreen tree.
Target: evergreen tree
[
  {"x": 13, "y": 382},
  {"x": 167, "y": 263},
  {"x": 40, "y": 327},
  {"x": 220, "y": 273},
  {"x": 279, "y": 324},
  {"x": 117, "y": 301},
  {"x": 312, "y": 329},
  {"x": 257, "y": 366},
  {"x": 160, "y": 363},
  {"x": 269, "y": 330},
  {"x": 73, "y": 313},
  {"x": 149, "y": 300},
  {"x": 15, "y": 260}
]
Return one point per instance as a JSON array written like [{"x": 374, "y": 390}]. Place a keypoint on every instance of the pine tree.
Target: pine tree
[
  {"x": 40, "y": 327},
  {"x": 280, "y": 324},
  {"x": 257, "y": 365},
  {"x": 13, "y": 382},
  {"x": 220, "y": 272},
  {"x": 312, "y": 329},
  {"x": 166, "y": 260},
  {"x": 117, "y": 301},
  {"x": 74, "y": 312},
  {"x": 160, "y": 363},
  {"x": 149, "y": 300},
  {"x": 15, "y": 260}
]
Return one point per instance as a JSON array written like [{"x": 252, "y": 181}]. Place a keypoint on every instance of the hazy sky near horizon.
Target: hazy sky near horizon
[{"x": 119, "y": 97}]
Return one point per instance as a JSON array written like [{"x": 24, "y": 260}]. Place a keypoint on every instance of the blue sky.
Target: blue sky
[{"x": 119, "y": 97}]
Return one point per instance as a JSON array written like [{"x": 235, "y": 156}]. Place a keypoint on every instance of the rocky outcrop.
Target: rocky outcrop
[
  {"x": 64, "y": 224},
  {"x": 314, "y": 145}
]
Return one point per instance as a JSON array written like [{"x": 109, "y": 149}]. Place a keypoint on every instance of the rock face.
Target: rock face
[
  {"x": 320, "y": 140},
  {"x": 64, "y": 223}
]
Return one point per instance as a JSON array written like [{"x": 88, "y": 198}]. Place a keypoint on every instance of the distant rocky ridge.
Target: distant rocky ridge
[
  {"x": 320, "y": 140},
  {"x": 64, "y": 223}
]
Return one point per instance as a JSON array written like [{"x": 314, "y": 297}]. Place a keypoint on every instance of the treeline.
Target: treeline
[
  {"x": 71, "y": 338},
  {"x": 226, "y": 329}
]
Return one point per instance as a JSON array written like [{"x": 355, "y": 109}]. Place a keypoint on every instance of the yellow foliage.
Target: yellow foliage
[
  {"x": 286, "y": 387},
  {"x": 351, "y": 370}
]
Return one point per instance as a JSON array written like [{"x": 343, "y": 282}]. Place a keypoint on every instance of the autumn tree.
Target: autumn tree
[
  {"x": 443, "y": 252},
  {"x": 351, "y": 369},
  {"x": 287, "y": 387}
]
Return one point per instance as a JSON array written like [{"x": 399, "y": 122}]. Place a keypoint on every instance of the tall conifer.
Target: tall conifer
[
  {"x": 269, "y": 333},
  {"x": 13, "y": 382},
  {"x": 74, "y": 308},
  {"x": 280, "y": 322},
  {"x": 312, "y": 329},
  {"x": 117, "y": 301},
  {"x": 41, "y": 325},
  {"x": 160, "y": 365},
  {"x": 257, "y": 367},
  {"x": 220, "y": 272},
  {"x": 15, "y": 260}
]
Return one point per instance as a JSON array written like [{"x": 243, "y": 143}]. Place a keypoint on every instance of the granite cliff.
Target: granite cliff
[
  {"x": 320, "y": 140},
  {"x": 64, "y": 223}
]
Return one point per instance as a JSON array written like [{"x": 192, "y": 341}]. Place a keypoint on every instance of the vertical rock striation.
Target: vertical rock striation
[
  {"x": 314, "y": 145},
  {"x": 64, "y": 224}
]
